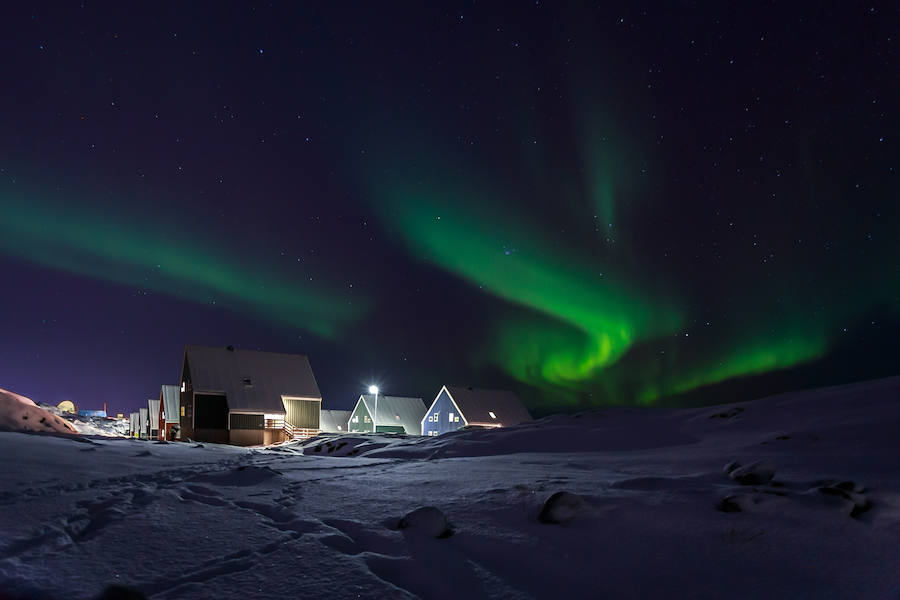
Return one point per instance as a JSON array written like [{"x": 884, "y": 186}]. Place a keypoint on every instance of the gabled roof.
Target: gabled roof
[
  {"x": 153, "y": 407},
  {"x": 142, "y": 417},
  {"x": 476, "y": 405},
  {"x": 271, "y": 375},
  {"x": 171, "y": 401},
  {"x": 397, "y": 410},
  {"x": 329, "y": 420}
]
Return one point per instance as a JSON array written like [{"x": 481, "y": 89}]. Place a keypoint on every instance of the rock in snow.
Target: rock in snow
[
  {"x": 760, "y": 472},
  {"x": 427, "y": 521},
  {"x": 561, "y": 507}
]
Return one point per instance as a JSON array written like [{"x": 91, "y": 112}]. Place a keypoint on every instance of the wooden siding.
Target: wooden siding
[
  {"x": 243, "y": 421},
  {"x": 302, "y": 413}
]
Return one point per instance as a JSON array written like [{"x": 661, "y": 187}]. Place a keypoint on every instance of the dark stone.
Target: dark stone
[
  {"x": 729, "y": 504},
  {"x": 121, "y": 592}
]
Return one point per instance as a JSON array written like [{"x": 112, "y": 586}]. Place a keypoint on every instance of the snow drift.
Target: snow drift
[
  {"x": 793, "y": 496},
  {"x": 18, "y": 413}
]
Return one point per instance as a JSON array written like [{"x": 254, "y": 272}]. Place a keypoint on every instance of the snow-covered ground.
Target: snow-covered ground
[{"x": 606, "y": 504}]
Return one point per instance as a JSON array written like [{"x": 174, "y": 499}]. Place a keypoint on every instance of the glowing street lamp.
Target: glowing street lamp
[{"x": 373, "y": 389}]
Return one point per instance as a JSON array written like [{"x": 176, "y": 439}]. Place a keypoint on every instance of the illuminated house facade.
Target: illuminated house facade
[
  {"x": 456, "y": 407},
  {"x": 247, "y": 397},
  {"x": 396, "y": 414}
]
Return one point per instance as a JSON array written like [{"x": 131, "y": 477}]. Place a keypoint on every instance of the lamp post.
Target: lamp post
[{"x": 373, "y": 389}]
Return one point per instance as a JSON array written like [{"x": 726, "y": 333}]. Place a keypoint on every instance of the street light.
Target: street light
[{"x": 373, "y": 389}]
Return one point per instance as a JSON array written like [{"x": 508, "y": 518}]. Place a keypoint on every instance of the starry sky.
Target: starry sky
[{"x": 589, "y": 203}]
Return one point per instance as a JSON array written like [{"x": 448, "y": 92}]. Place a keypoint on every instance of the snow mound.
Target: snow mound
[
  {"x": 18, "y": 413},
  {"x": 243, "y": 476}
]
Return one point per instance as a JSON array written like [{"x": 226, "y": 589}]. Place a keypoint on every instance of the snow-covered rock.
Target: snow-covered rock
[
  {"x": 426, "y": 521},
  {"x": 18, "y": 413},
  {"x": 760, "y": 472},
  {"x": 561, "y": 507}
]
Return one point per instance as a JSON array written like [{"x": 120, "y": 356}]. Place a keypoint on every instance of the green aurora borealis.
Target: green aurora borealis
[
  {"x": 151, "y": 255},
  {"x": 608, "y": 326}
]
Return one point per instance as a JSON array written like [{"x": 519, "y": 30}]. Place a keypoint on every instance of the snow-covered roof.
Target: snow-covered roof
[
  {"x": 331, "y": 420},
  {"x": 476, "y": 406},
  {"x": 251, "y": 380},
  {"x": 143, "y": 418},
  {"x": 397, "y": 410},
  {"x": 171, "y": 399},
  {"x": 153, "y": 405}
]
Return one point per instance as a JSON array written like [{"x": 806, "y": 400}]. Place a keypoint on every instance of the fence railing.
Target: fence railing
[{"x": 299, "y": 433}]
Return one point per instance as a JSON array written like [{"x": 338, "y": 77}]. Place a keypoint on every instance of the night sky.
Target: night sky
[{"x": 590, "y": 204}]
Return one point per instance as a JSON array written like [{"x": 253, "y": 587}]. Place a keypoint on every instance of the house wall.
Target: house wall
[
  {"x": 360, "y": 419},
  {"x": 166, "y": 433},
  {"x": 439, "y": 413},
  {"x": 273, "y": 436},
  {"x": 302, "y": 412},
  {"x": 187, "y": 403},
  {"x": 246, "y": 437},
  {"x": 213, "y": 436}
]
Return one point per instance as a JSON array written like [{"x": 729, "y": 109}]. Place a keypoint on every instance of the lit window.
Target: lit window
[
  {"x": 339, "y": 427},
  {"x": 451, "y": 416},
  {"x": 430, "y": 419},
  {"x": 398, "y": 417},
  {"x": 435, "y": 416},
  {"x": 183, "y": 386},
  {"x": 493, "y": 416},
  {"x": 356, "y": 419},
  {"x": 182, "y": 411},
  {"x": 456, "y": 419}
]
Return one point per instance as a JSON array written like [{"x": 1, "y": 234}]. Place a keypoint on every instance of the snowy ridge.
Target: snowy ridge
[
  {"x": 793, "y": 496},
  {"x": 18, "y": 413}
]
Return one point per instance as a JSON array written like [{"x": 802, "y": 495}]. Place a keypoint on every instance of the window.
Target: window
[
  {"x": 456, "y": 420},
  {"x": 493, "y": 416},
  {"x": 182, "y": 411},
  {"x": 430, "y": 419},
  {"x": 247, "y": 382},
  {"x": 356, "y": 419},
  {"x": 451, "y": 416},
  {"x": 436, "y": 416},
  {"x": 365, "y": 419},
  {"x": 183, "y": 386},
  {"x": 339, "y": 427}
]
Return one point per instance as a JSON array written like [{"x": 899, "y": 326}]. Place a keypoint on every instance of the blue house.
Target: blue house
[{"x": 456, "y": 407}]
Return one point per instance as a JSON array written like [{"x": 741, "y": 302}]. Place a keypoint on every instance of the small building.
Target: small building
[
  {"x": 396, "y": 414},
  {"x": 144, "y": 420},
  {"x": 153, "y": 417},
  {"x": 134, "y": 424},
  {"x": 334, "y": 421},
  {"x": 169, "y": 411},
  {"x": 66, "y": 406},
  {"x": 85, "y": 412},
  {"x": 247, "y": 397},
  {"x": 456, "y": 407}
]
